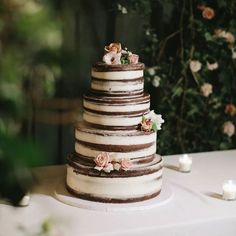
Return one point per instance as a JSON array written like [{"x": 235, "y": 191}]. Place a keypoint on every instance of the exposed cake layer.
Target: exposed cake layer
[
  {"x": 117, "y": 106},
  {"x": 113, "y": 120},
  {"x": 126, "y": 140},
  {"x": 139, "y": 183},
  {"x": 117, "y": 85},
  {"x": 90, "y": 151}
]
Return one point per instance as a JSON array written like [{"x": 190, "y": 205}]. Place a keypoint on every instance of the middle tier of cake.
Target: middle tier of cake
[{"x": 115, "y": 112}]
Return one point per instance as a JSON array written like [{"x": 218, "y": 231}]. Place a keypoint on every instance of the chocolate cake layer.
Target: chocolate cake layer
[
  {"x": 139, "y": 79},
  {"x": 102, "y": 67},
  {"x": 116, "y": 148},
  {"x": 90, "y": 197},
  {"x": 119, "y": 100}
]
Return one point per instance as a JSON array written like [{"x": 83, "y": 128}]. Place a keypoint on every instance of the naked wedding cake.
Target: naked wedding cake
[{"x": 115, "y": 156}]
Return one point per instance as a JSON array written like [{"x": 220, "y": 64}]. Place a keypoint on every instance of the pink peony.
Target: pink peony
[
  {"x": 112, "y": 58},
  {"x": 212, "y": 66},
  {"x": 195, "y": 66},
  {"x": 228, "y": 128},
  {"x": 133, "y": 58},
  {"x": 102, "y": 159},
  {"x": 125, "y": 164},
  {"x": 206, "y": 89},
  {"x": 113, "y": 47},
  {"x": 146, "y": 125},
  {"x": 208, "y": 13}
]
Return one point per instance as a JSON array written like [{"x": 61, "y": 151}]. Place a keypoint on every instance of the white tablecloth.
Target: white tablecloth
[{"x": 195, "y": 209}]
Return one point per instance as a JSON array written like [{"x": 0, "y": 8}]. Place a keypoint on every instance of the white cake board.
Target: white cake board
[{"x": 65, "y": 197}]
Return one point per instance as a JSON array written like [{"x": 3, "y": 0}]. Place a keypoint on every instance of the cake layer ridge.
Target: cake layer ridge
[
  {"x": 87, "y": 134},
  {"x": 113, "y": 120},
  {"x": 117, "y": 153},
  {"x": 116, "y": 106}
]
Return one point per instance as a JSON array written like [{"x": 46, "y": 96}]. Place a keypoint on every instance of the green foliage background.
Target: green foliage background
[{"x": 194, "y": 123}]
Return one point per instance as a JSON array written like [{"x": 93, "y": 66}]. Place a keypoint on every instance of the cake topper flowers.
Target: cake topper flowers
[
  {"x": 103, "y": 163},
  {"x": 115, "y": 55},
  {"x": 151, "y": 121}
]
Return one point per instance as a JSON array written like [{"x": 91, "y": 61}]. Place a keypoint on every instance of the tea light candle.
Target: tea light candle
[
  {"x": 25, "y": 200},
  {"x": 185, "y": 163},
  {"x": 229, "y": 190}
]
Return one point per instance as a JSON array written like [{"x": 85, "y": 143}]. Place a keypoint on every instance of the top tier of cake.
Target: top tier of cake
[{"x": 117, "y": 79}]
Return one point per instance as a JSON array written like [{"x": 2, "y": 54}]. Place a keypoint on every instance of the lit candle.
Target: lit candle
[
  {"x": 185, "y": 163},
  {"x": 229, "y": 190}
]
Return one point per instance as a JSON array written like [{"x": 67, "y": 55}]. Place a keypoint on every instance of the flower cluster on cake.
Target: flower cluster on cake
[{"x": 115, "y": 156}]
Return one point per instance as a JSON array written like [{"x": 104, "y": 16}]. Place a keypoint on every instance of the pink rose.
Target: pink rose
[
  {"x": 102, "y": 159},
  {"x": 146, "y": 125},
  {"x": 228, "y": 128},
  {"x": 125, "y": 164},
  {"x": 113, "y": 47},
  {"x": 133, "y": 58},
  {"x": 208, "y": 13}
]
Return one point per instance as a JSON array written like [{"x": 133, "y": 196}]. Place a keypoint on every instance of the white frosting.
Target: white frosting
[
  {"x": 114, "y": 86},
  {"x": 129, "y": 187},
  {"x": 118, "y": 75},
  {"x": 116, "y": 107},
  {"x": 115, "y": 138},
  {"x": 112, "y": 120},
  {"x": 92, "y": 153}
]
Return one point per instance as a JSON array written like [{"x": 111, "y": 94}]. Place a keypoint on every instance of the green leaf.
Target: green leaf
[{"x": 154, "y": 126}]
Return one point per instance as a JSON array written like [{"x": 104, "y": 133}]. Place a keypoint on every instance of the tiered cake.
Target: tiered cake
[{"x": 115, "y": 156}]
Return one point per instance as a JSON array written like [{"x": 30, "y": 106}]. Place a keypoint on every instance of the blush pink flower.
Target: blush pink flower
[
  {"x": 195, "y": 66},
  {"x": 102, "y": 159},
  {"x": 228, "y": 36},
  {"x": 113, "y": 47},
  {"x": 146, "y": 124},
  {"x": 133, "y": 58},
  {"x": 208, "y": 13},
  {"x": 212, "y": 66},
  {"x": 125, "y": 164},
  {"x": 228, "y": 128},
  {"x": 206, "y": 89}
]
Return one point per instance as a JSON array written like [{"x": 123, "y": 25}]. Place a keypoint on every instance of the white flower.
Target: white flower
[
  {"x": 108, "y": 168},
  {"x": 116, "y": 166},
  {"x": 156, "y": 81},
  {"x": 195, "y": 66},
  {"x": 99, "y": 168},
  {"x": 155, "y": 118},
  {"x": 112, "y": 58},
  {"x": 228, "y": 128},
  {"x": 206, "y": 89},
  {"x": 151, "y": 71},
  {"x": 124, "y": 10},
  {"x": 212, "y": 66}
]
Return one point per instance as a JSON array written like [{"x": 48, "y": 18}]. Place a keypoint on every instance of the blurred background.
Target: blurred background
[{"x": 46, "y": 51}]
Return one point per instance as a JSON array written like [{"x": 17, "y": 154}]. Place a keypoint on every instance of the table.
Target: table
[{"x": 196, "y": 207}]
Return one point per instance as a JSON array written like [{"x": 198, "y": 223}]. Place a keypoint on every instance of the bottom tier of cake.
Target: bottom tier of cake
[{"x": 115, "y": 187}]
